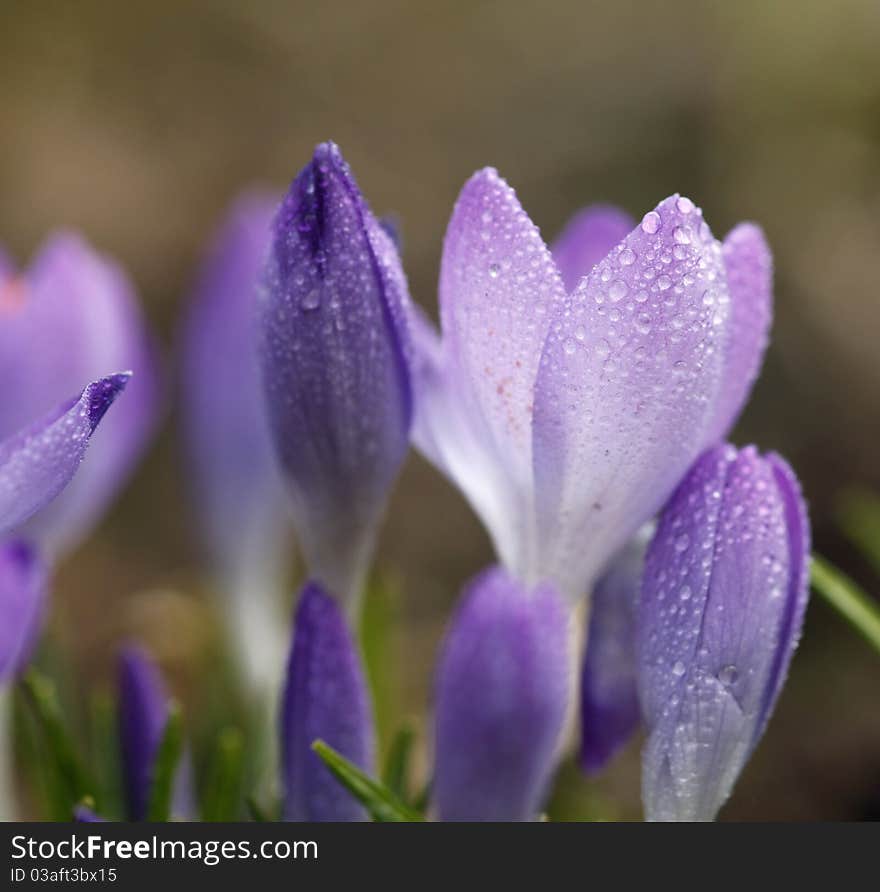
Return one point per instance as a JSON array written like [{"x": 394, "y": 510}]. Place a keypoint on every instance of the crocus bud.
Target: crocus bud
[
  {"x": 241, "y": 508},
  {"x": 722, "y": 603},
  {"x": 609, "y": 697},
  {"x": 335, "y": 368},
  {"x": 501, "y": 696},
  {"x": 325, "y": 698},
  {"x": 83, "y": 312},
  {"x": 39, "y": 461},
  {"x": 23, "y": 587},
  {"x": 143, "y": 715}
]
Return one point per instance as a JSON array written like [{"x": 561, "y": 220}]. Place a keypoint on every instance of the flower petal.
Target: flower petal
[
  {"x": 325, "y": 699},
  {"x": 39, "y": 461},
  {"x": 241, "y": 507},
  {"x": 749, "y": 266},
  {"x": 722, "y": 602},
  {"x": 609, "y": 696},
  {"x": 23, "y": 589},
  {"x": 587, "y": 238},
  {"x": 83, "y": 312},
  {"x": 143, "y": 714},
  {"x": 626, "y": 389},
  {"x": 335, "y": 357},
  {"x": 502, "y": 691}
]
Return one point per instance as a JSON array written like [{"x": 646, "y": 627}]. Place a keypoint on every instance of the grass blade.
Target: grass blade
[{"x": 860, "y": 610}]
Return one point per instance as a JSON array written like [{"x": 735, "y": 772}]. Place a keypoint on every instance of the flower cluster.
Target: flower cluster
[{"x": 579, "y": 395}]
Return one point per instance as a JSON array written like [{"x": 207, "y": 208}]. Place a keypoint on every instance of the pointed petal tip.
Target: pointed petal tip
[{"x": 100, "y": 395}]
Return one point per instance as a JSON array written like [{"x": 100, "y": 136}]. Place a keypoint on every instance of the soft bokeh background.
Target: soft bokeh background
[{"x": 139, "y": 122}]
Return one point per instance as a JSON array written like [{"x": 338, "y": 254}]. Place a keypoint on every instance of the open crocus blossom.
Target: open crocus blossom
[
  {"x": 143, "y": 716},
  {"x": 325, "y": 698},
  {"x": 567, "y": 417},
  {"x": 82, "y": 312},
  {"x": 241, "y": 506},
  {"x": 334, "y": 355},
  {"x": 722, "y": 603},
  {"x": 501, "y": 696}
]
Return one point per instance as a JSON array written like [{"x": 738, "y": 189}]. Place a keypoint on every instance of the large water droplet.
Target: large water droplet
[
  {"x": 311, "y": 300},
  {"x": 678, "y": 668},
  {"x": 651, "y": 222},
  {"x": 728, "y": 675}
]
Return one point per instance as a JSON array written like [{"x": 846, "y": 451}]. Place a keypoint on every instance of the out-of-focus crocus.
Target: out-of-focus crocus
[
  {"x": 501, "y": 697},
  {"x": 567, "y": 417},
  {"x": 23, "y": 587},
  {"x": 334, "y": 354},
  {"x": 325, "y": 698},
  {"x": 81, "y": 311},
  {"x": 721, "y": 608},
  {"x": 609, "y": 697},
  {"x": 242, "y": 508},
  {"x": 143, "y": 716}
]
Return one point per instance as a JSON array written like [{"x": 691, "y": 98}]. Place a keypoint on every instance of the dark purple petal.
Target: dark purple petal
[
  {"x": 242, "y": 509},
  {"x": 23, "y": 590},
  {"x": 609, "y": 696},
  {"x": 325, "y": 698},
  {"x": 587, "y": 238},
  {"x": 84, "y": 815},
  {"x": 335, "y": 357},
  {"x": 749, "y": 266},
  {"x": 502, "y": 691},
  {"x": 38, "y": 462},
  {"x": 143, "y": 714},
  {"x": 499, "y": 287},
  {"x": 82, "y": 311},
  {"x": 722, "y": 603},
  {"x": 626, "y": 390}
]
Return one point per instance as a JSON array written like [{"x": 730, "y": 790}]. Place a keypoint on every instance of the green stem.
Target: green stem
[{"x": 847, "y": 598}]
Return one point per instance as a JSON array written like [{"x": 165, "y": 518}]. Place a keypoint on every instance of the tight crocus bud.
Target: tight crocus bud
[
  {"x": 143, "y": 716},
  {"x": 721, "y": 608},
  {"x": 501, "y": 696},
  {"x": 325, "y": 698},
  {"x": 335, "y": 367},
  {"x": 609, "y": 697}
]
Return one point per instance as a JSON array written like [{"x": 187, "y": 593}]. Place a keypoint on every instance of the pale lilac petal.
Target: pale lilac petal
[
  {"x": 609, "y": 696},
  {"x": 587, "y": 238},
  {"x": 626, "y": 390},
  {"x": 39, "y": 461},
  {"x": 445, "y": 433},
  {"x": 502, "y": 693},
  {"x": 82, "y": 311},
  {"x": 335, "y": 362},
  {"x": 23, "y": 589},
  {"x": 721, "y": 608},
  {"x": 241, "y": 507},
  {"x": 325, "y": 699},
  {"x": 749, "y": 266},
  {"x": 498, "y": 289}
]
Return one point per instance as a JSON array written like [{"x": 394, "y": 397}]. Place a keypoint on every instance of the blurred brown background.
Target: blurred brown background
[{"x": 139, "y": 122}]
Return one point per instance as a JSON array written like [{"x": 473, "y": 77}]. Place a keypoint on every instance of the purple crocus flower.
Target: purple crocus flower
[
  {"x": 242, "y": 509},
  {"x": 501, "y": 697},
  {"x": 722, "y": 604},
  {"x": 81, "y": 310},
  {"x": 334, "y": 357},
  {"x": 23, "y": 588},
  {"x": 609, "y": 697},
  {"x": 567, "y": 417},
  {"x": 143, "y": 715},
  {"x": 325, "y": 698}
]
